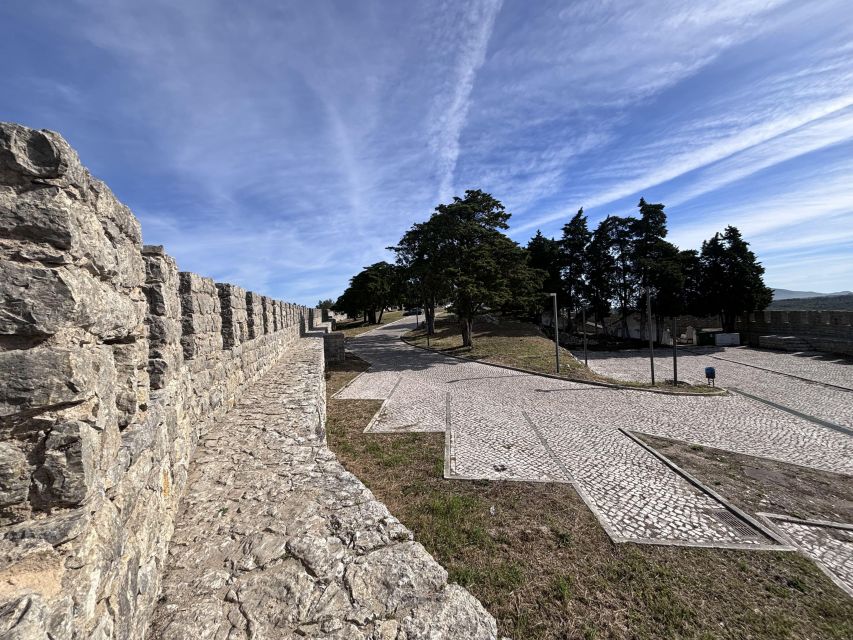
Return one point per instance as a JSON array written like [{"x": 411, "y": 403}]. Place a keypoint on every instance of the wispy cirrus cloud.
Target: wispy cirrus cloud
[
  {"x": 283, "y": 145},
  {"x": 450, "y": 107}
]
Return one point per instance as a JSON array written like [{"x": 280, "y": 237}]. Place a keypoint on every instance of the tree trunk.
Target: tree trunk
[
  {"x": 467, "y": 326},
  {"x": 371, "y": 318},
  {"x": 381, "y": 311},
  {"x": 429, "y": 313}
]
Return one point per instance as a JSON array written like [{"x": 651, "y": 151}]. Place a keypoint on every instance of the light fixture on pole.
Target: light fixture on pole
[
  {"x": 651, "y": 339},
  {"x": 556, "y": 333},
  {"x": 674, "y": 351}
]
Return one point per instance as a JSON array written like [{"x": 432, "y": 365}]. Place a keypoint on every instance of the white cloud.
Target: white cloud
[
  {"x": 450, "y": 111},
  {"x": 285, "y": 144}
]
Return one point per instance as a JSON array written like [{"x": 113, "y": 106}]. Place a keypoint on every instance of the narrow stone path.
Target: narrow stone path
[
  {"x": 505, "y": 425},
  {"x": 277, "y": 540}
]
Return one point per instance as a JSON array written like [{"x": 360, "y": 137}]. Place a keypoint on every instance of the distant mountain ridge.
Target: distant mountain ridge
[
  {"x": 821, "y": 302},
  {"x": 787, "y": 294}
]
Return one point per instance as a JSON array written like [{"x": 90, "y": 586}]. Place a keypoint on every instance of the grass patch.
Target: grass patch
[
  {"x": 353, "y": 328},
  {"x": 541, "y": 564},
  {"x": 523, "y": 345}
]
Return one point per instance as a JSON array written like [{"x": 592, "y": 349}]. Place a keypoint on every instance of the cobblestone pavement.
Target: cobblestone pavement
[
  {"x": 277, "y": 540},
  {"x": 737, "y": 368},
  {"x": 502, "y": 424},
  {"x": 831, "y": 547}
]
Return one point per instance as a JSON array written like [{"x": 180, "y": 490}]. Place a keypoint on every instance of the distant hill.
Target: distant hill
[
  {"x": 787, "y": 294},
  {"x": 823, "y": 302}
]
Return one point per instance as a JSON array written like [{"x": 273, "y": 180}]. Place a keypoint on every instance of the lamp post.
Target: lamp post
[
  {"x": 556, "y": 333},
  {"x": 674, "y": 351},
  {"x": 651, "y": 339},
  {"x": 583, "y": 312}
]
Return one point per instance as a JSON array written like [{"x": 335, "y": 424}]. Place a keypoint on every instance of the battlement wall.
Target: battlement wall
[{"x": 113, "y": 363}]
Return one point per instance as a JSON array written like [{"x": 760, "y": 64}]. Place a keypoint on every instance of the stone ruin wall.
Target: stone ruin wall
[
  {"x": 112, "y": 364},
  {"x": 830, "y": 331}
]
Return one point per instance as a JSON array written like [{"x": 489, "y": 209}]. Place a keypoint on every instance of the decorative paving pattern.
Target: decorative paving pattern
[
  {"x": 819, "y": 367},
  {"x": 829, "y": 544},
  {"x": 815, "y": 399},
  {"x": 506, "y": 425}
]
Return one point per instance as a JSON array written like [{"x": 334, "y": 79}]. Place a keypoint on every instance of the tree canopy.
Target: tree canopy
[{"x": 462, "y": 255}]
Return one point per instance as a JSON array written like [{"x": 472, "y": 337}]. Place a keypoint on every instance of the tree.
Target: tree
[
  {"x": 625, "y": 276},
  {"x": 656, "y": 263},
  {"x": 692, "y": 297},
  {"x": 422, "y": 267},
  {"x": 325, "y": 304},
  {"x": 545, "y": 255},
  {"x": 599, "y": 284},
  {"x": 482, "y": 266},
  {"x": 732, "y": 278},
  {"x": 369, "y": 292},
  {"x": 573, "y": 247}
]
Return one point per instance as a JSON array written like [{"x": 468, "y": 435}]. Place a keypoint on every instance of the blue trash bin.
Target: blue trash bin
[{"x": 711, "y": 374}]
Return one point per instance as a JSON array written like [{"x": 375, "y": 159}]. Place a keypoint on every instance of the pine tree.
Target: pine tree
[{"x": 573, "y": 246}]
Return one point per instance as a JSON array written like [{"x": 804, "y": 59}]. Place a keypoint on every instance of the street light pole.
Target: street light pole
[
  {"x": 585, "y": 359},
  {"x": 651, "y": 339},
  {"x": 674, "y": 351},
  {"x": 556, "y": 333}
]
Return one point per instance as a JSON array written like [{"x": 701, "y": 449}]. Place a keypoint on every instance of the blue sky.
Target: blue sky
[{"x": 283, "y": 145}]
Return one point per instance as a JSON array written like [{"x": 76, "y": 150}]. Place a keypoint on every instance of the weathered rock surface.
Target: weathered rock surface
[
  {"x": 100, "y": 409},
  {"x": 276, "y": 539},
  {"x": 113, "y": 364}
]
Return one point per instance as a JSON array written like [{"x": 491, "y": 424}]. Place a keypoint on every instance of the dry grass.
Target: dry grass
[
  {"x": 355, "y": 327},
  {"x": 522, "y": 345},
  {"x": 760, "y": 484},
  {"x": 542, "y": 565}
]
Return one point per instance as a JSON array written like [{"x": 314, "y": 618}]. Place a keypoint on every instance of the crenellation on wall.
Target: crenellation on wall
[
  {"x": 254, "y": 315},
  {"x": 269, "y": 324},
  {"x": 830, "y": 331},
  {"x": 201, "y": 316},
  {"x": 113, "y": 364},
  {"x": 235, "y": 319},
  {"x": 166, "y": 353}
]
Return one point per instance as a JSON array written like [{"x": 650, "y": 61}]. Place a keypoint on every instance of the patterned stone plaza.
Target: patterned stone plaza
[{"x": 501, "y": 424}]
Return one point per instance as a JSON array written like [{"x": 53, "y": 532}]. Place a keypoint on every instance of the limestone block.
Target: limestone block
[
  {"x": 201, "y": 321},
  {"x": 43, "y": 378},
  {"x": 132, "y": 383},
  {"x": 165, "y": 353},
  {"x": 254, "y": 315},
  {"x": 38, "y": 301},
  {"x": 14, "y": 475},
  {"x": 29, "y": 566},
  {"x": 67, "y": 474},
  {"x": 69, "y": 217},
  {"x": 269, "y": 318},
  {"x": 235, "y": 321},
  {"x": 276, "y": 312}
]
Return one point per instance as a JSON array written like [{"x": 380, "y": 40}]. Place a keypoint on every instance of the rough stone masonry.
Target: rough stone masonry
[{"x": 113, "y": 366}]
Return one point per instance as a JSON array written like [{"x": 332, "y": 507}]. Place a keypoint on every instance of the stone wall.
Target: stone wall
[
  {"x": 830, "y": 331},
  {"x": 112, "y": 365}
]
